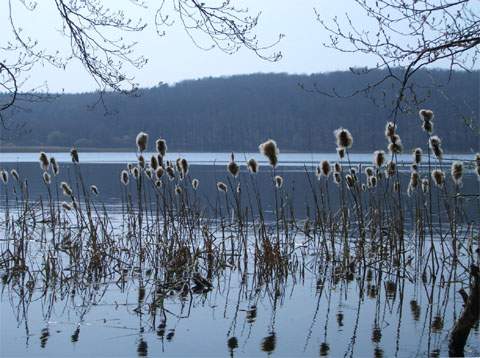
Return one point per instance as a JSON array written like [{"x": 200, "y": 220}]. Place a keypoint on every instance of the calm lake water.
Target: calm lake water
[{"x": 312, "y": 313}]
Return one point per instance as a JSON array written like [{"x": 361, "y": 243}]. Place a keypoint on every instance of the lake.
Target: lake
[{"x": 314, "y": 309}]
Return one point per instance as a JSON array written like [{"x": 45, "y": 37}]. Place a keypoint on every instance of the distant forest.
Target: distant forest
[{"x": 237, "y": 113}]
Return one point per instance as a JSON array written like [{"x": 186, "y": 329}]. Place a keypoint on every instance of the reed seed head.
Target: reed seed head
[
  {"x": 142, "y": 141},
  {"x": 159, "y": 172},
  {"x": 74, "y": 155},
  {"x": 170, "y": 172},
  {"x": 161, "y": 145},
  {"x": 414, "y": 167},
  {"x": 14, "y": 174},
  {"x": 154, "y": 162},
  {"x": 136, "y": 172},
  {"x": 221, "y": 186},
  {"x": 457, "y": 172},
  {"x": 195, "y": 184},
  {"x": 426, "y": 115},
  {"x": 350, "y": 181},
  {"x": 369, "y": 172},
  {"x": 46, "y": 178},
  {"x": 427, "y": 126},
  {"x": 141, "y": 161},
  {"x": 425, "y": 185},
  {"x": 378, "y": 158},
  {"x": 438, "y": 177},
  {"x": 436, "y": 146},
  {"x": 271, "y": 151},
  {"x": 417, "y": 155},
  {"x": 372, "y": 181},
  {"x": 178, "y": 190},
  {"x": 233, "y": 167},
  {"x": 54, "y": 165},
  {"x": 149, "y": 173},
  {"x": 278, "y": 181},
  {"x": 66, "y": 188},
  {"x": 343, "y": 138},
  {"x": 158, "y": 183},
  {"x": 341, "y": 152},
  {"x": 390, "y": 129},
  {"x": 124, "y": 177},
  {"x": 391, "y": 169},
  {"x": 252, "y": 165},
  {"x": 4, "y": 176},
  {"x": 184, "y": 166},
  {"x": 66, "y": 206},
  {"x": 337, "y": 168},
  {"x": 337, "y": 178},
  {"x": 325, "y": 168},
  {"x": 94, "y": 189},
  {"x": 44, "y": 162},
  {"x": 477, "y": 159}
]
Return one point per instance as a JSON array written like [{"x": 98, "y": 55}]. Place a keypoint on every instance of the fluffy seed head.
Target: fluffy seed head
[
  {"x": 161, "y": 145},
  {"x": 337, "y": 168},
  {"x": 270, "y": 150},
  {"x": 124, "y": 177},
  {"x": 66, "y": 188},
  {"x": 341, "y": 152},
  {"x": 74, "y": 155},
  {"x": 426, "y": 114},
  {"x": 457, "y": 172},
  {"x": 438, "y": 177},
  {"x": 14, "y": 174},
  {"x": 252, "y": 165},
  {"x": 427, "y": 126},
  {"x": 391, "y": 169},
  {"x": 195, "y": 184},
  {"x": 278, "y": 181},
  {"x": 425, "y": 185},
  {"x": 159, "y": 172},
  {"x": 337, "y": 178},
  {"x": 369, "y": 172},
  {"x": 142, "y": 141},
  {"x": 44, "y": 162},
  {"x": 4, "y": 176},
  {"x": 149, "y": 173},
  {"x": 350, "y": 181},
  {"x": 390, "y": 129},
  {"x": 66, "y": 206},
  {"x": 141, "y": 161},
  {"x": 154, "y": 162},
  {"x": 325, "y": 168},
  {"x": 414, "y": 180},
  {"x": 46, "y": 178},
  {"x": 233, "y": 167},
  {"x": 178, "y": 190},
  {"x": 372, "y": 181},
  {"x": 170, "y": 172},
  {"x": 158, "y": 183},
  {"x": 417, "y": 155},
  {"x": 54, "y": 166},
  {"x": 136, "y": 172},
  {"x": 477, "y": 159},
  {"x": 435, "y": 145},
  {"x": 395, "y": 148},
  {"x": 378, "y": 158},
  {"x": 94, "y": 189},
  {"x": 221, "y": 186},
  {"x": 414, "y": 167},
  {"x": 343, "y": 138},
  {"x": 184, "y": 166}
]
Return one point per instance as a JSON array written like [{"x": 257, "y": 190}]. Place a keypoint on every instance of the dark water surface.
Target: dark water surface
[{"x": 316, "y": 311}]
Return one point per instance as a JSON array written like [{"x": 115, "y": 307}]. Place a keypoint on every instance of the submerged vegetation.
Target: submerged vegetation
[{"x": 169, "y": 239}]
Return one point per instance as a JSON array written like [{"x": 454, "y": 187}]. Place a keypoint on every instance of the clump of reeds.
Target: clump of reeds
[
  {"x": 142, "y": 141},
  {"x": 438, "y": 177},
  {"x": 252, "y": 165},
  {"x": 233, "y": 167},
  {"x": 278, "y": 181},
  {"x": 161, "y": 145},
  {"x": 426, "y": 116},
  {"x": 435, "y": 144},
  {"x": 221, "y": 186},
  {"x": 271, "y": 151},
  {"x": 343, "y": 138},
  {"x": 44, "y": 162},
  {"x": 457, "y": 172}
]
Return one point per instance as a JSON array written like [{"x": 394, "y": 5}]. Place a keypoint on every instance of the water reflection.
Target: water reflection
[{"x": 269, "y": 343}]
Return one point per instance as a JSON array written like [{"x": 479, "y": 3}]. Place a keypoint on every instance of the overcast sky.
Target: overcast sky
[{"x": 173, "y": 58}]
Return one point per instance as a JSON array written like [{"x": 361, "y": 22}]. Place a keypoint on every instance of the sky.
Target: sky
[{"x": 173, "y": 57}]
